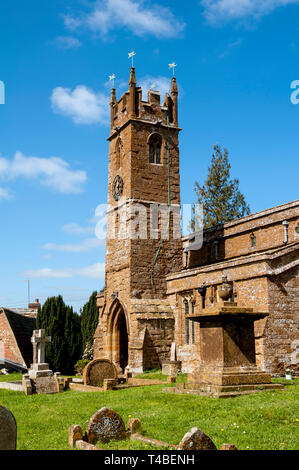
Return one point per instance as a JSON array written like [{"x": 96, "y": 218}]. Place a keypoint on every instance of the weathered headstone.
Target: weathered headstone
[
  {"x": 134, "y": 425},
  {"x": 40, "y": 379},
  {"x": 8, "y": 430},
  {"x": 196, "y": 439},
  {"x": 75, "y": 434},
  {"x": 109, "y": 384},
  {"x": 82, "y": 445},
  {"x": 27, "y": 385},
  {"x": 97, "y": 370},
  {"x": 39, "y": 340},
  {"x": 172, "y": 367},
  {"x": 228, "y": 447},
  {"x": 105, "y": 425}
]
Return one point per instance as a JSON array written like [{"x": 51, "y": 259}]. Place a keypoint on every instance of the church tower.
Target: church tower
[{"x": 143, "y": 245}]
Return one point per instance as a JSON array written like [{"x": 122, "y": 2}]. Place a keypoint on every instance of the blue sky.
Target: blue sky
[{"x": 236, "y": 62}]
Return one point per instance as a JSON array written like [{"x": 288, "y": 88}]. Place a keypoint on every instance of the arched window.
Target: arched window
[
  {"x": 187, "y": 329},
  {"x": 253, "y": 240},
  {"x": 192, "y": 323},
  {"x": 155, "y": 144},
  {"x": 118, "y": 150},
  {"x": 189, "y": 304}
]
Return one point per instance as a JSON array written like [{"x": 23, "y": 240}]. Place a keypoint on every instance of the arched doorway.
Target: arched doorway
[
  {"x": 119, "y": 340},
  {"x": 123, "y": 342}
]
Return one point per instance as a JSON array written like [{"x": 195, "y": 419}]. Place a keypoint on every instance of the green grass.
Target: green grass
[
  {"x": 156, "y": 374},
  {"x": 265, "y": 420},
  {"x": 11, "y": 377}
]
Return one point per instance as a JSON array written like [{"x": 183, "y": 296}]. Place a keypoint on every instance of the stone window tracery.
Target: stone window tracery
[
  {"x": 189, "y": 307},
  {"x": 155, "y": 145}
]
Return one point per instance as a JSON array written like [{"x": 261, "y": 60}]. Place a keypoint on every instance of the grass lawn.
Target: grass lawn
[{"x": 262, "y": 421}]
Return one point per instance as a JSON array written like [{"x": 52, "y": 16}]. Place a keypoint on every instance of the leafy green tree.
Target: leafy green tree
[
  {"x": 64, "y": 327},
  {"x": 220, "y": 196},
  {"x": 89, "y": 322}
]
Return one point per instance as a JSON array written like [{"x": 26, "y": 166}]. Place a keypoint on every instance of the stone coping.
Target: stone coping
[
  {"x": 250, "y": 217},
  {"x": 218, "y": 312},
  {"x": 262, "y": 259},
  {"x": 16, "y": 385}
]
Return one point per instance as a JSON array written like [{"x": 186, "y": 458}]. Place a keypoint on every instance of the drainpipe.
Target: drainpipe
[{"x": 285, "y": 224}]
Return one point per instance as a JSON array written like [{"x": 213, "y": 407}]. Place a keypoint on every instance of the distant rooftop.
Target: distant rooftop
[{"x": 31, "y": 311}]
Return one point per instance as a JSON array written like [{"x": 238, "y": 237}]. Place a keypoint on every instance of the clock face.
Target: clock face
[{"x": 117, "y": 187}]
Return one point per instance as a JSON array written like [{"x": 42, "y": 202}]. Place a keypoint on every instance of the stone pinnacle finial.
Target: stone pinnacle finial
[
  {"x": 132, "y": 77},
  {"x": 132, "y": 98},
  {"x": 113, "y": 96},
  {"x": 174, "y": 86}
]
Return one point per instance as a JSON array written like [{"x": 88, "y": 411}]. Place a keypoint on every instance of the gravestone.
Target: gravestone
[
  {"x": 97, "y": 371},
  {"x": 172, "y": 367},
  {"x": 39, "y": 340},
  {"x": 196, "y": 439},
  {"x": 40, "y": 379},
  {"x": 134, "y": 425},
  {"x": 75, "y": 434},
  {"x": 228, "y": 447},
  {"x": 8, "y": 430},
  {"x": 105, "y": 425},
  {"x": 39, "y": 368}
]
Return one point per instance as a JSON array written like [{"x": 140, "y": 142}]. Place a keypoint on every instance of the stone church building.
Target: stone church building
[{"x": 152, "y": 279}]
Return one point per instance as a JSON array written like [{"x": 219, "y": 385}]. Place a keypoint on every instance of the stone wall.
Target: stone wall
[
  {"x": 8, "y": 342},
  {"x": 234, "y": 238},
  {"x": 265, "y": 282},
  {"x": 281, "y": 336}
]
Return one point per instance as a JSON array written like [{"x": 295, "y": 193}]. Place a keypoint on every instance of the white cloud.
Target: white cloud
[
  {"x": 82, "y": 105},
  {"x": 85, "y": 245},
  {"x": 46, "y": 273},
  {"x": 95, "y": 271},
  {"x": 140, "y": 17},
  {"x": 52, "y": 172},
  {"x": 230, "y": 47},
  {"x": 67, "y": 42},
  {"x": 4, "y": 194},
  {"x": 225, "y": 10},
  {"x": 76, "y": 229},
  {"x": 159, "y": 83}
]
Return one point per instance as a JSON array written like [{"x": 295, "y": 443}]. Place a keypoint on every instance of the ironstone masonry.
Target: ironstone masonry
[{"x": 151, "y": 283}]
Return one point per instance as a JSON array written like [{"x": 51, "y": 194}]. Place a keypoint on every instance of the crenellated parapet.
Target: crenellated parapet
[{"x": 131, "y": 106}]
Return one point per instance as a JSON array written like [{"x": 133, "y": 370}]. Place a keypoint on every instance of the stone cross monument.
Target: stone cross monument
[
  {"x": 39, "y": 340},
  {"x": 40, "y": 379}
]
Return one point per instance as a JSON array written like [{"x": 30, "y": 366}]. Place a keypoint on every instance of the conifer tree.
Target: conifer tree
[
  {"x": 64, "y": 327},
  {"x": 89, "y": 321},
  {"x": 220, "y": 196}
]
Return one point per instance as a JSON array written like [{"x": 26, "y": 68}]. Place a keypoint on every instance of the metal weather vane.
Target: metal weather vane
[
  {"x": 112, "y": 78},
  {"x": 172, "y": 66},
  {"x": 131, "y": 56}
]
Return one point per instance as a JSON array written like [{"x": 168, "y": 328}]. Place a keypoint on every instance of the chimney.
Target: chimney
[{"x": 34, "y": 306}]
